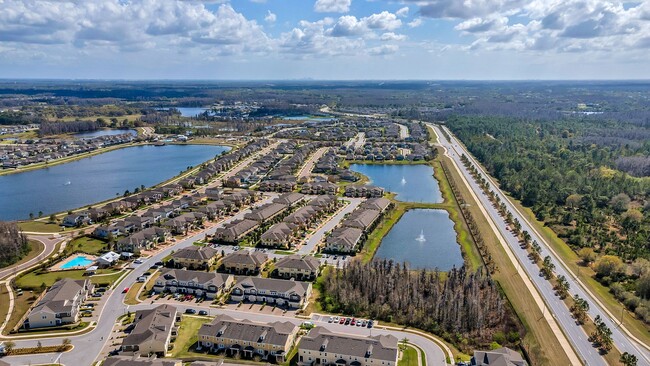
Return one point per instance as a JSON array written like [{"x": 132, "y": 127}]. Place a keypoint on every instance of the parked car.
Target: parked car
[
  {"x": 336, "y": 319},
  {"x": 203, "y": 312},
  {"x": 342, "y": 321},
  {"x": 190, "y": 311},
  {"x": 331, "y": 319}
]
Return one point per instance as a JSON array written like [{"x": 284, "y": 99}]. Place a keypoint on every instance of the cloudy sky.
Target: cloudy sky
[{"x": 325, "y": 39}]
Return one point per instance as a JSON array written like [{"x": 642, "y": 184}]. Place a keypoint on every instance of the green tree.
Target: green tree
[
  {"x": 608, "y": 265},
  {"x": 587, "y": 255},
  {"x": 620, "y": 202},
  {"x": 628, "y": 359}
]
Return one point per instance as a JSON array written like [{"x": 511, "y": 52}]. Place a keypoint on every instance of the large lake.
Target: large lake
[
  {"x": 425, "y": 238},
  {"x": 98, "y": 133},
  {"x": 412, "y": 183},
  {"x": 87, "y": 181}
]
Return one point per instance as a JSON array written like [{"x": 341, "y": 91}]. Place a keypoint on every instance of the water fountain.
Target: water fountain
[
  {"x": 421, "y": 237},
  {"x": 403, "y": 181}
]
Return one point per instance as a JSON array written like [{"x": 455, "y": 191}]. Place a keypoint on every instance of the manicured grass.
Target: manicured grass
[
  {"x": 39, "y": 226},
  {"x": 586, "y": 276},
  {"x": 374, "y": 239},
  {"x": 541, "y": 343},
  {"x": 130, "y": 298},
  {"x": 21, "y": 305},
  {"x": 187, "y": 336},
  {"x": 470, "y": 252},
  {"x": 34, "y": 280},
  {"x": 409, "y": 356},
  {"x": 423, "y": 357},
  {"x": 86, "y": 245},
  {"x": 4, "y": 302},
  {"x": 433, "y": 138},
  {"x": 149, "y": 285}
]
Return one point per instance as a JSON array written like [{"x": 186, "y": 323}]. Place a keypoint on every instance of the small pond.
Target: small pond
[
  {"x": 412, "y": 183},
  {"x": 425, "y": 238},
  {"x": 98, "y": 133}
]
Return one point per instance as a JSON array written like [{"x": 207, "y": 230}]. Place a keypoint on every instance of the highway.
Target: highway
[{"x": 575, "y": 333}]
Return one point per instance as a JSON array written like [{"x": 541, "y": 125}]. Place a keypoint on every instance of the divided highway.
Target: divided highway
[{"x": 575, "y": 333}]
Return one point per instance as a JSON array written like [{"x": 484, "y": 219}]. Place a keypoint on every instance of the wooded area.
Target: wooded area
[
  {"x": 564, "y": 170},
  {"x": 13, "y": 244},
  {"x": 464, "y": 308}
]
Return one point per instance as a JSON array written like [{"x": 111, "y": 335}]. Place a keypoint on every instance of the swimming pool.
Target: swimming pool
[{"x": 78, "y": 261}]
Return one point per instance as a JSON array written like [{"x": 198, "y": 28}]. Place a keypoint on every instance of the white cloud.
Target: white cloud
[
  {"x": 402, "y": 12},
  {"x": 349, "y": 25},
  {"x": 270, "y": 17},
  {"x": 332, "y": 6},
  {"x": 390, "y": 36},
  {"x": 386, "y": 49},
  {"x": 129, "y": 26},
  {"x": 415, "y": 23}
]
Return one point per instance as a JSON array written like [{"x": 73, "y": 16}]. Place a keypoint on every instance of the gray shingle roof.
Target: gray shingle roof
[
  {"x": 154, "y": 323},
  {"x": 299, "y": 262},
  {"x": 381, "y": 347},
  {"x": 275, "y": 333}
]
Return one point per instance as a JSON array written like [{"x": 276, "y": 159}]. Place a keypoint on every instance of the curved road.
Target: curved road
[
  {"x": 574, "y": 332},
  {"x": 88, "y": 346}
]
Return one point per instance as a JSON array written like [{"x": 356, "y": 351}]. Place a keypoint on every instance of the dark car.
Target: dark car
[
  {"x": 203, "y": 312},
  {"x": 190, "y": 311}
]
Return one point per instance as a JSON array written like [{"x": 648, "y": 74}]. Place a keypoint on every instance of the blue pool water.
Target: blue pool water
[{"x": 78, "y": 261}]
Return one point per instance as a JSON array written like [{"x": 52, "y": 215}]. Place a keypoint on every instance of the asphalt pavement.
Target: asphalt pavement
[{"x": 574, "y": 332}]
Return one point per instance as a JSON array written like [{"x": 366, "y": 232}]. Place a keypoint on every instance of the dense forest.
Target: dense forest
[
  {"x": 13, "y": 244},
  {"x": 460, "y": 306},
  {"x": 566, "y": 171},
  {"x": 55, "y": 128}
]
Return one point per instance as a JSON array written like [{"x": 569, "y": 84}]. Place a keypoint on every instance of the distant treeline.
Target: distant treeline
[
  {"x": 55, "y": 128},
  {"x": 13, "y": 244},
  {"x": 462, "y": 307}
]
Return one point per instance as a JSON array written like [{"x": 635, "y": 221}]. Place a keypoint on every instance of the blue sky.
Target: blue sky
[{"x": 325, "y": 39}]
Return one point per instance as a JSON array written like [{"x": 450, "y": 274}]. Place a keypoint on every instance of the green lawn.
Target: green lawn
[
  {"x": 409, "y": 356},
  {"x": 87, "y": 245},
  {"x": 34, "y": 280},
  {"x": 38, "y": 226},
  {"x": 187, "y": 336}
]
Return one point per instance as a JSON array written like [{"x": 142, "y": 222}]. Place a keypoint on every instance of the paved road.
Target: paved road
[
  {"x": 49, "y": 241},
  {"x": 403, "y": 131},
  {"x": 574, "y": 332},
  {"x": 306, "y": 169},
  {"x": 329, "y": 225},
  {"x": 89, "y": 345}
]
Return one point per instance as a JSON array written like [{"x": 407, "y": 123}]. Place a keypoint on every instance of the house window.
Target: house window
[{"x": 44, "y": 316}]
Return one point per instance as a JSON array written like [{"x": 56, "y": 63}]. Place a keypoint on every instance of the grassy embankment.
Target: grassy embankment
[
  {"x": 540, "y": 341},
  {"x": 409, "y": 356},
  {"x": 463, "y": 237}
]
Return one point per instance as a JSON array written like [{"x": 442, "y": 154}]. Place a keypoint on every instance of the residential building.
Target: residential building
[
  {"x": 107, "y": 259},
  {"x": 343, "y": 240},
  {"x": 287, "y": 293},
  {"x": 198, "y": 283},
  {"x": 152, "y": 331},
  {"x": 323, "y": 347},
  {"x": 140, "y": 361},
  {"x": 271, "y": 341},
  {"x": 266, "y": 212},
  {"x": 302, "y": 268},
  {"x": 60, "y": 304},
  {"x": 235, "y": 231},
  {"x": 280, "y": 235},
  {"x": 244, "y": 262},
  {"x": 499, "y": 357},
  {"x": 195, "y": 257}
]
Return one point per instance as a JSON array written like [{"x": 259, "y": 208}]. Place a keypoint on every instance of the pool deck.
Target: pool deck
[{"x": 59, "y": 264}]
